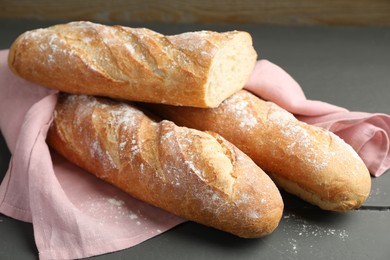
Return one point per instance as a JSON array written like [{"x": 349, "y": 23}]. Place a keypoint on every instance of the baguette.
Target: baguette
[
  {"x": 305, "y": 160},
  {"x": 196, "y": 175},
  {"x": 198, "y": 69}
]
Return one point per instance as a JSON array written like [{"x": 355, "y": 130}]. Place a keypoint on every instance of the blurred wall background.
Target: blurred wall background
[{"x": 283, "y": 12}]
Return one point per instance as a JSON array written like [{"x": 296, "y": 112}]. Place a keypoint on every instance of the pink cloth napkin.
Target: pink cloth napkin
[
  {"x": 367, "y": 133},
  {"x": 74, "y": 214}
]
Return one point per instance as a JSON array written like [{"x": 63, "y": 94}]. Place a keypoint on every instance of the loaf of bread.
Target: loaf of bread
[
  {"x": 305, "y": 160},
  {"x": 198, "y": 69},
  {"x": 196, "y": 175}
]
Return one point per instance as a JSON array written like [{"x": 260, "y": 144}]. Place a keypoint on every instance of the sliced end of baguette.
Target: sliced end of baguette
[{"x": 231, "y": 68}]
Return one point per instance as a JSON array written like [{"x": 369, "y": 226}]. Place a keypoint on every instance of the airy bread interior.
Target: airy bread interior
[{"x": 231, "y": 69}]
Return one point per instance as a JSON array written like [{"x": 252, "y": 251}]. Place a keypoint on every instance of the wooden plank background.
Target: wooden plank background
[{"x": 286, "y": 12}]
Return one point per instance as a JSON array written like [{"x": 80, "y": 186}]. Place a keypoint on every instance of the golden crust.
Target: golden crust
[
  {"x": 307, "y": 161},
  {"x": 135, "y": 64},
  {"x": 196, "y": 175}
]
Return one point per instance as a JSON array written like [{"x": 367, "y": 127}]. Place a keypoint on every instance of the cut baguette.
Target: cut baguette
[{"x": 198, "y": 69}]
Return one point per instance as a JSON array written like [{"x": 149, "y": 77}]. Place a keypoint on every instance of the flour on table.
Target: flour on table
[
  {"x": 110, "y": 211},
  {"x": 305, "y": 231}
]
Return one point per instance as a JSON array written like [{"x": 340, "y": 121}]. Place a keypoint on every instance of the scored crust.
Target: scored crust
[
  {"x": 198, "y": 69},
  {"x": 196, "y": 175},
  {"x": 306, "y": 160}
]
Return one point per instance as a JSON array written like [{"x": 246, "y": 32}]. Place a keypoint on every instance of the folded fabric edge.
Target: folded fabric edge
[
  {"x": 96, "y": 249},
  {"x": 15, "y": 213}
]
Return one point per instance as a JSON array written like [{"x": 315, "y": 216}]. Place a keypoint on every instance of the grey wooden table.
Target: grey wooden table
[{"x": 346, "y": 66}]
